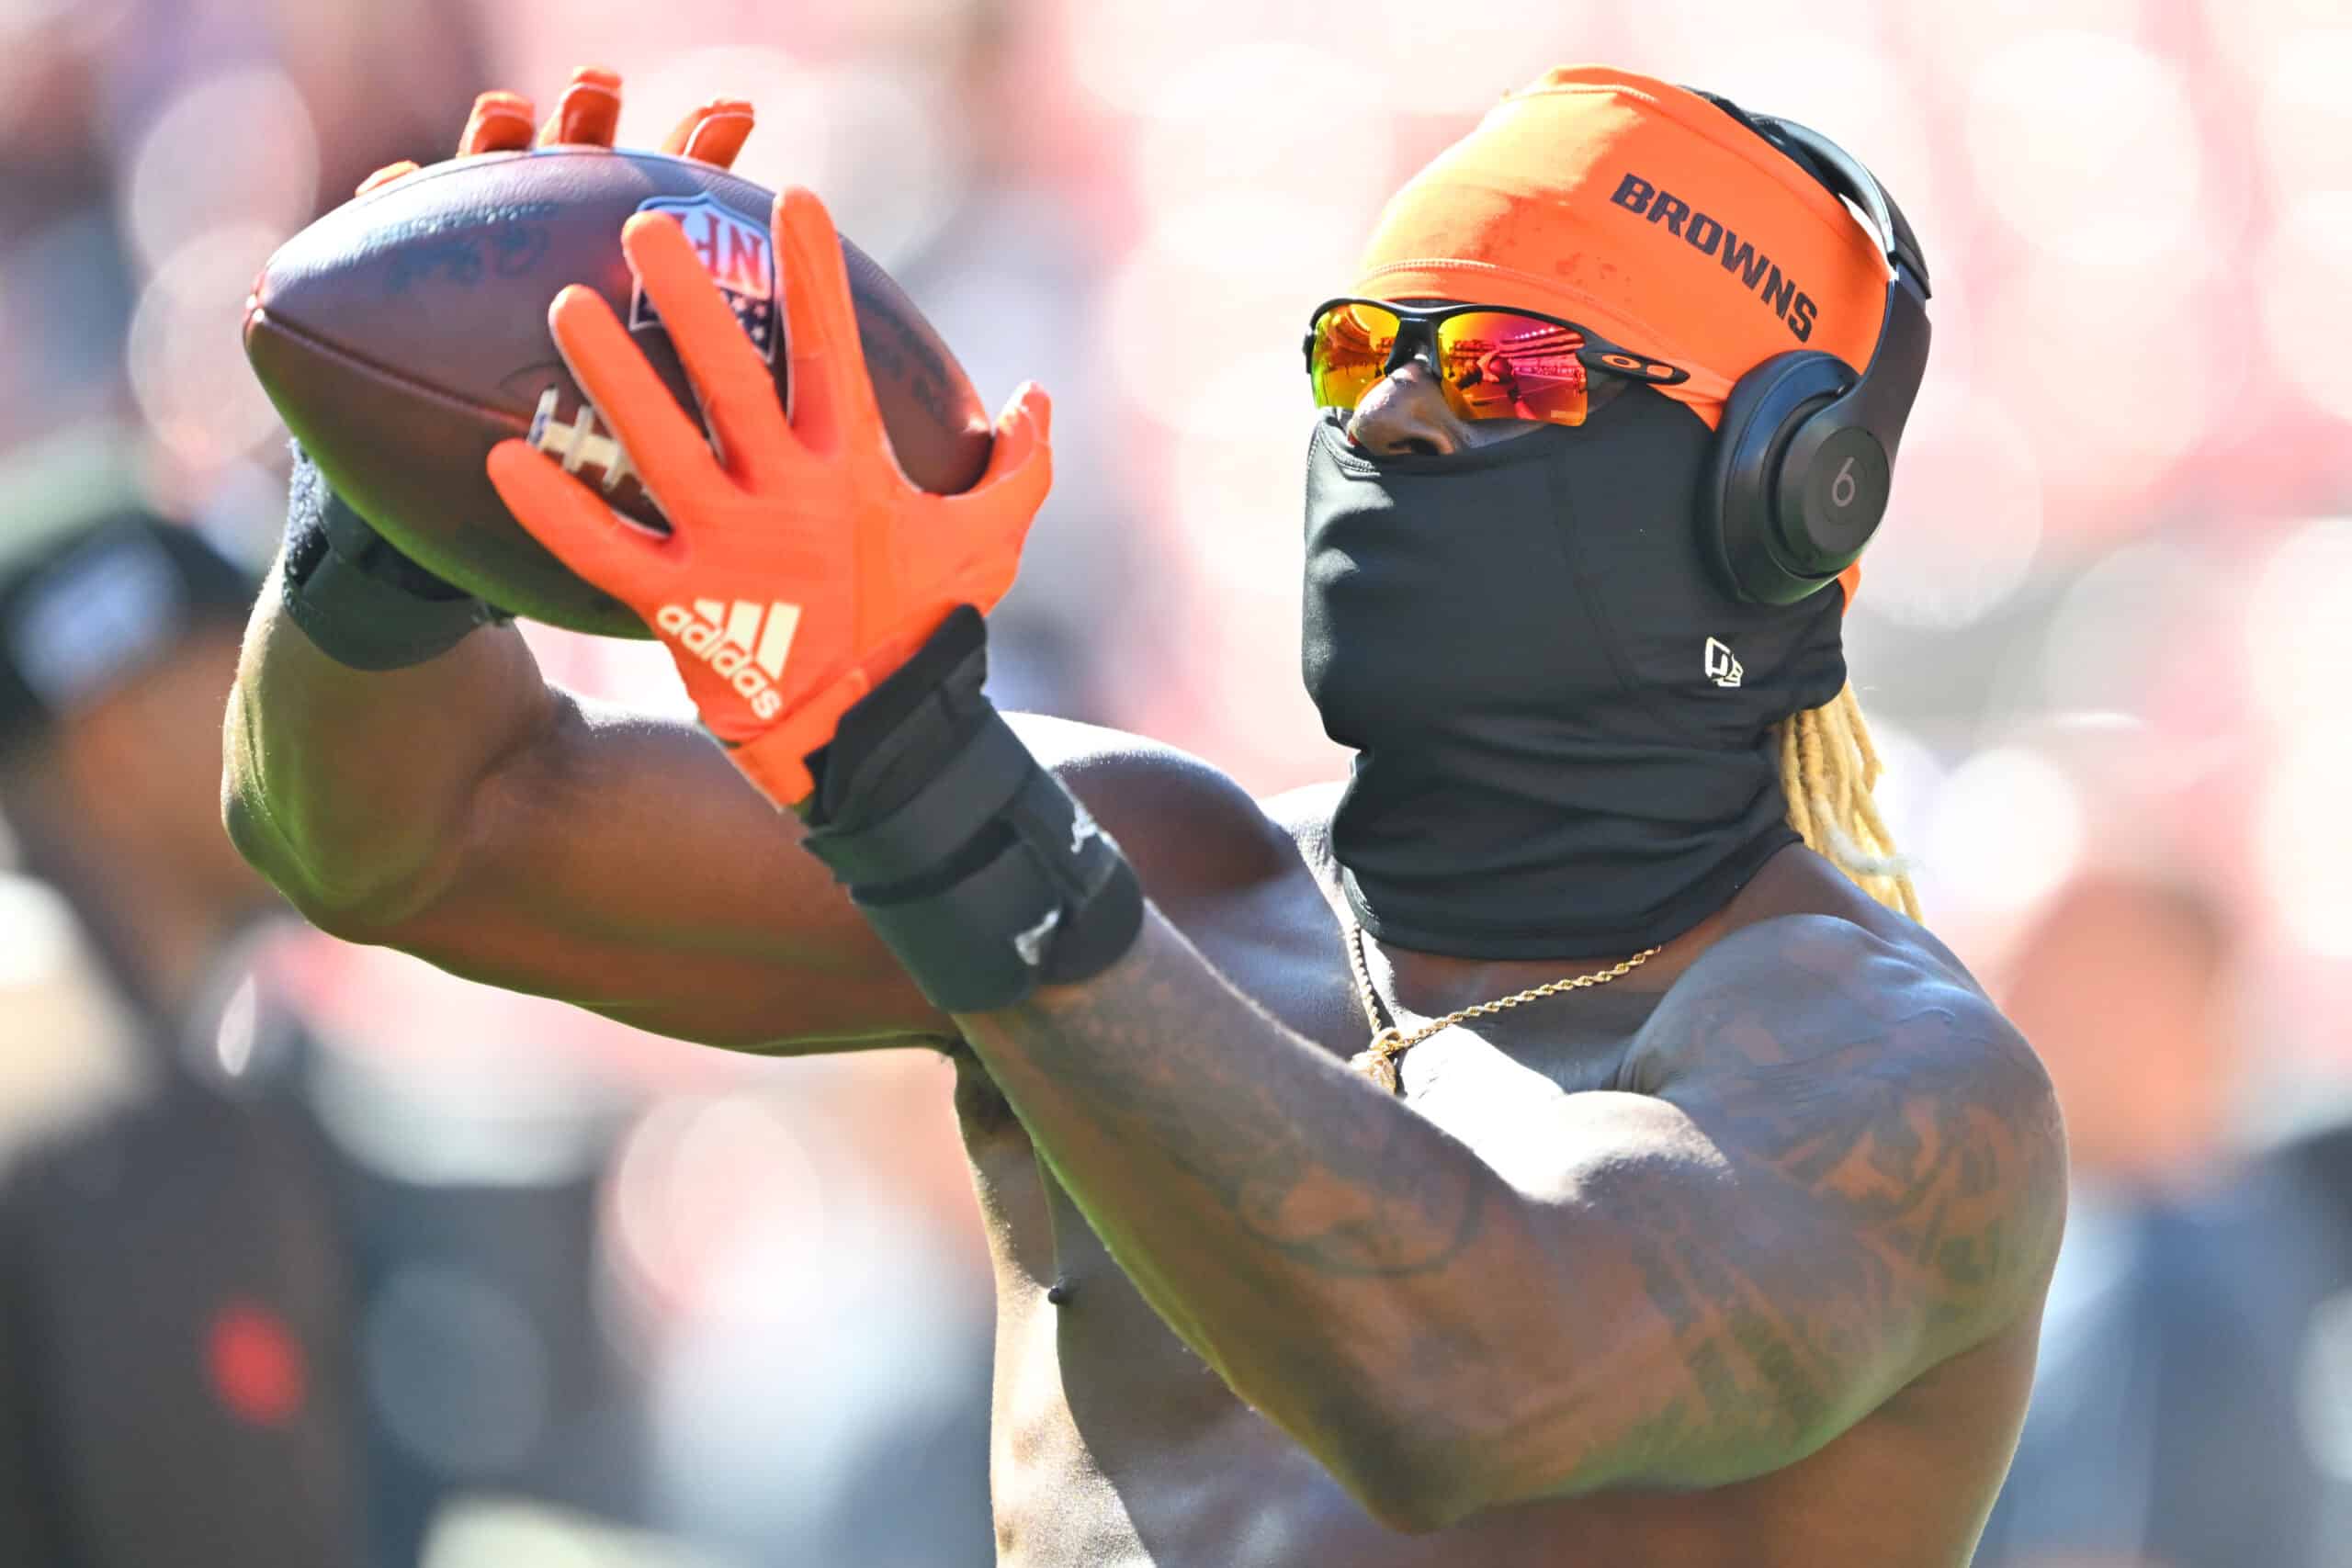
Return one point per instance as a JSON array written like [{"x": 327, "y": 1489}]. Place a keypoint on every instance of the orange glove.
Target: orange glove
[
  {"x": 801, "y": 567},
  {"x": 586, "y": 116}
]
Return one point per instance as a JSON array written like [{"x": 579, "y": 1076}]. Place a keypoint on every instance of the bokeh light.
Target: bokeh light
[
  {"x": 186, "y": 365},
  {"x": 2251, "y": 33},
  {"x": 21, "y": 19},
  {"x": 233, "y": 1042},
  {"x": 2087, "y": 145},
  {"x": 38, "y": 938},
  {"x": 2111, "y": 375},
  {"x": 1461, "y": 68},
  {"x": 707, "y": 1189},
  {"x": 182, "y": 184},
  {"x": 1183, "y": 306},
  {"x": 2301, "y": 281},
  {"x": 2303, "y": 113},
  {"x": 1956, "y": 40},
  {"x": 2325, "y": 1385},
  {"x": 2298, "y": 613},
  {"x": 456, "y": 1370},
  {"x": 1736, "y": 49},
  {"x": 2096, "y": 652},
  {"x": 1235, "y": 120},
  {"x": 2303, "y": 838},
  {"x": 2006, "y": 830},
  {"x": 1123, "y": 50}
]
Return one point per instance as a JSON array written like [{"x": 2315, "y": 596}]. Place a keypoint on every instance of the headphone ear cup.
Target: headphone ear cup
[{"x": 1739, "y": 527}]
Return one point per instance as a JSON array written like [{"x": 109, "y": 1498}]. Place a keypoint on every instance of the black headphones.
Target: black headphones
[{"x": 1804, "y": 457}]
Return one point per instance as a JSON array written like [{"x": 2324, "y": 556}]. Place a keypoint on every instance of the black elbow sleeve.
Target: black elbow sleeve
[{"x": 362, "y": 601}]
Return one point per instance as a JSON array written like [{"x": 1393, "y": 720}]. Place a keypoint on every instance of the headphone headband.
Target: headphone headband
[
  {"x": 1805, "y": 455},
  {"x": 1881, "y": 400},
  {"x": 1846, "y": 175},
  {"x": 1851, "y": 180}
]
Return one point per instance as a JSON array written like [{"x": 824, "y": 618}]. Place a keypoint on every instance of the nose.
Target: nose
[{"x": 1405, "y": 413}]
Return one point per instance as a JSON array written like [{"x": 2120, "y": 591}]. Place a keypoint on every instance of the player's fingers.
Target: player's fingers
[
  {"x": 714, "y": 134},
  {"x": 1021, "y": 458},
  {"x": 733, "y": 382},
  {"x": 984, "y": 554},
  {"x": 386, "y": 176},
  {"x": 1029, "y": 409},
  {"x": 832, "y": 397},
  {"x": 589, "y": 111},
  {"x": 669, "y": 452},
  {"x": 501, "y": 123},
  {"x": 574, "y": 524}
]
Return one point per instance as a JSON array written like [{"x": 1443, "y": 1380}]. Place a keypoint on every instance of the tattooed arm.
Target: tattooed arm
[{"x": 1845, "y": 1168}]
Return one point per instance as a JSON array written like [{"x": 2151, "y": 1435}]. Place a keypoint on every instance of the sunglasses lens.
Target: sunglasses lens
[
  {"x": 1348, "y": 352},
  {"x": 1502, "y": 364}
]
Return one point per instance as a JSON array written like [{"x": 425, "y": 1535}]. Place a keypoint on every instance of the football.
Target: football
[{"x": 404, "y": 335}]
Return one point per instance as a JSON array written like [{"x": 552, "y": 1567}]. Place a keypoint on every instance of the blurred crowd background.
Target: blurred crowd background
[{"x": 600, "y": 1298}]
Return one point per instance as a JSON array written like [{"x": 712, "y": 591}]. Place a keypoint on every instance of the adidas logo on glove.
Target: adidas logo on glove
[{"x": 743, "y": 642}]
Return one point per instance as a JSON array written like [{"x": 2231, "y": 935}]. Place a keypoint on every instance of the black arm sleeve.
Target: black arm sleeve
[{"x": 357, "y": 598}]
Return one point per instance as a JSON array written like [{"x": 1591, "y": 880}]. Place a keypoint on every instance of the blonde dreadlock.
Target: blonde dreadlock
[{"x": 1828, "y": 767}]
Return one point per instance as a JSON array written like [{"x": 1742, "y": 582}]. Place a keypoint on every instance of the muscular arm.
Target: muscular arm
[
  {"x": 1682, "y": 1287},
  {"x": 464, "y": 811}
]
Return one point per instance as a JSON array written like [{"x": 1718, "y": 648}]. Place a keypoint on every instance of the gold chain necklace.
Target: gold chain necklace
[{"x": 1377, "y": 1061}]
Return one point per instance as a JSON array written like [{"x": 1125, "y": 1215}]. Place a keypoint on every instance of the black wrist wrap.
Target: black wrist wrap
[
  {"x": 971, "y": 862},
  {"x": 362, "y": 601}
]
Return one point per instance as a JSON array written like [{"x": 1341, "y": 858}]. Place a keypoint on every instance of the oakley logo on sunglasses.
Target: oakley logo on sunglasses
[
  {"x": 1650, "y": 369},
  {"x": 1709, "y": 237}
]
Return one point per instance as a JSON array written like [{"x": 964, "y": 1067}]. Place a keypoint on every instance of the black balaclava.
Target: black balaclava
[{"x": 1560, "y": 718}]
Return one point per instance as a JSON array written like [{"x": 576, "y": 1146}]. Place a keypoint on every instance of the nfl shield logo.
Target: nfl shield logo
[{"x": 739, "y": 255}]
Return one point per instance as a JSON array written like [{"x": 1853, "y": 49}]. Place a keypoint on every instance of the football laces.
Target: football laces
[{"x": 578, "y": 444}]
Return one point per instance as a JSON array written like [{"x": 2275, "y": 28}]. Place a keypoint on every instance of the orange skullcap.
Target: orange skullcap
[{"x": 1647, "y": 213}]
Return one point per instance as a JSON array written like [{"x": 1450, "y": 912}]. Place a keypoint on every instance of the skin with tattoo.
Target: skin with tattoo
[{"x": 1738, "y": 1260}]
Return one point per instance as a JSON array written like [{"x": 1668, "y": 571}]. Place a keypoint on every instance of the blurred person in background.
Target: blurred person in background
[
  {"x": 224, "y": 1338},
  {"x": 1011, "y": 265},
  {"x": 2320, "y": 1158},
  {"x": 1739, "y": 1260},
  {"x": 2165, "y": 1431}
]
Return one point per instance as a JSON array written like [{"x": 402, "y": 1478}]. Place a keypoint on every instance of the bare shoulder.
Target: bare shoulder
[
  {"x": 1863, "y": 1065},
  {"x": 1799, "y": 987},
  {"x": 1184, "y": 823}
]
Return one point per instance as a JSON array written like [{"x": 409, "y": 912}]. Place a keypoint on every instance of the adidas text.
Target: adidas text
[{"x": 744, "y": 643}]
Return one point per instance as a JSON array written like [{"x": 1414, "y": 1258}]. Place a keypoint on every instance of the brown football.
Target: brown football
[{"x": 405, "y": 333}]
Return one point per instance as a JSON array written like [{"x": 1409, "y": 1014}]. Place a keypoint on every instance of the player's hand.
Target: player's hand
[
  {"x": 586, "y": 116},
  {"x": 802, "y": 566}
]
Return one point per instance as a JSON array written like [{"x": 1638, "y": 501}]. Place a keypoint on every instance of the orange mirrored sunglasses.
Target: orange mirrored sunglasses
[{"x": 1491, "y": 363}]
